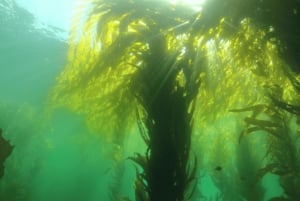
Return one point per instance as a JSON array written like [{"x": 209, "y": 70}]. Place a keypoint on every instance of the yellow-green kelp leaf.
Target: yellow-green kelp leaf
[
  {"x": 108, "y": 42},
  {"x": 242, "y": 69}
]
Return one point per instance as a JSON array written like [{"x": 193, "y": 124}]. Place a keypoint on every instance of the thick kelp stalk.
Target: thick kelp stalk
[{"x": 168, "y": 107}]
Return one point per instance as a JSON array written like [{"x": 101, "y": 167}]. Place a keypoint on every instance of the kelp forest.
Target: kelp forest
[{"x": 164, "y": 101}]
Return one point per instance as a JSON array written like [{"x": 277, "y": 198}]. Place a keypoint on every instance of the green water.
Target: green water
[
  {"x": 56, "y": 157},
  {"x": 50, "y": 160}
]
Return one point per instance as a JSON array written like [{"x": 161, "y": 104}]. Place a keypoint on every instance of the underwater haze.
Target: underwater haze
[
  {"x": 76, "y": 103},
  {"x": 55, "y": 159}
]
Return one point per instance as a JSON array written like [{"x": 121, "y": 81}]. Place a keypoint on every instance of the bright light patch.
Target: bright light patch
[
  {"x": 195, "y": 4},
  {"x": 51, "y": 13}
]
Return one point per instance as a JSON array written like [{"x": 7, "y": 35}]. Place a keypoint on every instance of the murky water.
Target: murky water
[{"x": 66, "y": 148}]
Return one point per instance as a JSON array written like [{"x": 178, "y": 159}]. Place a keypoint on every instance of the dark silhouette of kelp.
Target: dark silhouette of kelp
[
  {"x": 168, "y": 115},
  {"x": 282, "y": 155},
  {"x": 5, "y": 151}
]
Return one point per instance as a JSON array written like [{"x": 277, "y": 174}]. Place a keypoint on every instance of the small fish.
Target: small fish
[
  {"x": 218, "y": 168},
  {"x": 5, "y": 150}
]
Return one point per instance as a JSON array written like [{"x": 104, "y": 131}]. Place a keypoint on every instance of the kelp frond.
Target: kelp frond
[{"x": 107, "y": 48}]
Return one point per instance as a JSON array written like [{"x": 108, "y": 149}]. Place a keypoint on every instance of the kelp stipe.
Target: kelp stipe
[{"x": 167, "y": 117}]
